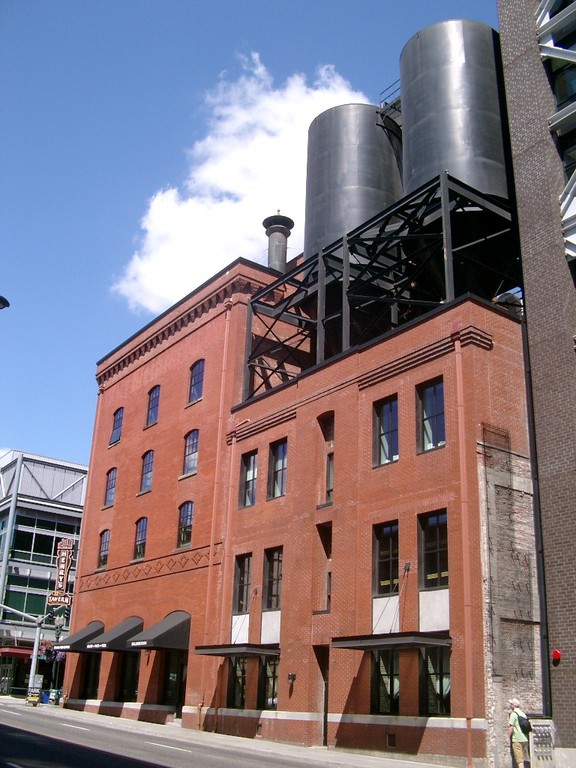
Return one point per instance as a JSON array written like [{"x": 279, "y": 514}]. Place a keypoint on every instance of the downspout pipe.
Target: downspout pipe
[
  {"x": 466, "y": 568},
  {"x": 538, "y": 538}
]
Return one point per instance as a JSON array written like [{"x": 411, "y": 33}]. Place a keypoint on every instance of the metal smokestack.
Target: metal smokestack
[{"x": 278, "y": 230}]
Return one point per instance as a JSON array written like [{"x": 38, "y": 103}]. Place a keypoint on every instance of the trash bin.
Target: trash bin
[
  {"x": 44, "y": 697},
  {"x": 55, "y": 694}
]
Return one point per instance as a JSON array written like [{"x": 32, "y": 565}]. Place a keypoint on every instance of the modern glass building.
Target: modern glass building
[{"x": 41, "y": 504}]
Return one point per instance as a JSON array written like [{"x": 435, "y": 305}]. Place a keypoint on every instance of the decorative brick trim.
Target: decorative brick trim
[
  {"x": 218, "y": 299},
  {"x": 177, "y": 562},
  {"x": 468, "y": 335}
]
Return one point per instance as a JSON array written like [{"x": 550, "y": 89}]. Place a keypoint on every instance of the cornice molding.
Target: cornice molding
[{"x": 177, "y": 326}]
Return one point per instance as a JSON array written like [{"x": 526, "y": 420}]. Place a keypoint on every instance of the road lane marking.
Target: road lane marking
[
  {"x": 13, "y": 765},
  {"x": 78, "y": 727},
  {"x": 167, "y": 746}
]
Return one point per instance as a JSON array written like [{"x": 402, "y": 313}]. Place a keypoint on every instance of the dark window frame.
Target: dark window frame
[
  {"x": 434, "y": 565},
  {"x": 435, "y": 682},
  {"x": 385, "y": 698},
  {"x": 237, "y": 674},
  {"x": 248, "y": 479},
  {"x": 153, "y": 406},
  {"x": 278, "y": 469},
  {"x": 272, "y": 579},
  {"x": 104, "y": 548},
  {"x": 191, "y": 445},
  {"x": 110, "y": 490},
  {"x": 117, "y": 422},
  {"x": 140, "y": 536},
  {"x": 147, "y": 471},
  {"x": 268, "y": 683},
  {"x": 185, "y": 523},
  {"x": 196, "y": 388},
  {"x": 386, "y": 431},
  {"x": 431, "y": 415},
  {"x": 385, "y": 559},
  {"x": 242, "y": 574}
]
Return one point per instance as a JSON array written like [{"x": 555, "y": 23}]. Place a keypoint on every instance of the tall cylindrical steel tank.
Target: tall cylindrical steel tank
[
  {"x": 352, "y": 174},
  {"x": 451, "y": 97}
]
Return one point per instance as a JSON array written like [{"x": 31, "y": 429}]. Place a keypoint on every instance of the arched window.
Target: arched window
[
  {"x": 147, "y": 468},
  {"x": 117, "y": 426},
  {"x": 153, "y": 405},
  {"x": 140, "y": 538},
  {"x": 103, "y": 549},
  {"x": 110, "y": 487},
  {"x": 191, "y": 452},
  {"x": 185, "y": 521},
  {"x": 196, "y": 381}
]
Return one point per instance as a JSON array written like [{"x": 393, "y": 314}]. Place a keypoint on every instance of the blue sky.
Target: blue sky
[{"x": 142, "y": 142}]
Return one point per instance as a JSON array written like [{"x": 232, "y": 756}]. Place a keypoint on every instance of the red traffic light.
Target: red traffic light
[{"x": 556, "y": 657}]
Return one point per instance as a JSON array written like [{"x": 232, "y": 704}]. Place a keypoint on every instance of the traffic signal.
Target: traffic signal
[
  {"x": 67, "y": 613},
  {"x": 49, "y": 618},
  {"x": 556, "y": 657}
]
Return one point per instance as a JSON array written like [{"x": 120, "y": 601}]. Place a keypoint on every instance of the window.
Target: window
[
  {"x": 434, "y": 550},
  {"x": 242, "y": 584},
  {"x": 386, "y": 431},
  {"x": 237, "y": 682},
  {"x": 153, "y": 405},
  {"x": 147, "y": 469},
  {"x": 117, "y": 426},
  {"x": 386, "y": 558},
  {"x": 248, "y": 477},
  {"x": 196, "y": 381},
  {"x": 327, "y": 426},
  {"x": 325, "y": 535},
  {"x": 277, "y": 469},
  {"x": 140, "y": 538},
  {"x": 435, "y": 681},
  {"x": 385, "y": 682},
  {"x": 272, "y": 584},
  {"x": 110, "y": 493},
  {"x": 191, "y": 452},
  {"x": 431, "y": 415},
  {"x": 185, "y": 520},
  {"x": 268, "y": 683},
  {"x": 103, "y": 550}
]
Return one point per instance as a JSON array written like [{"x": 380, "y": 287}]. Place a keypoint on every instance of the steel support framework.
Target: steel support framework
[{"x": 440, "y": 242}]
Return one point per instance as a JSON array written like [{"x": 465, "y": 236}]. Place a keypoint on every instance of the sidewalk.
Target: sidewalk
[{"x": 333, "y": 757}]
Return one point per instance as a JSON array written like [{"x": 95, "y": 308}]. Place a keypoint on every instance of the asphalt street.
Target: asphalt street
[{"x": 47, "y": 736}]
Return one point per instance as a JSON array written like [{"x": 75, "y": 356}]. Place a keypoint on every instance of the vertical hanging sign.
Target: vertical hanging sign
[{"x": 65, "y": 551}]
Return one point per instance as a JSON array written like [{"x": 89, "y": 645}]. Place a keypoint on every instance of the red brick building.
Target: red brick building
[
  {"x": 309, "y": 510},
  {"x": 318, "y": 563}
]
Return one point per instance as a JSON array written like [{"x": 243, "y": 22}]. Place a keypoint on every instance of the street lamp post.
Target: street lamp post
[{"x": 59, "y": 622}]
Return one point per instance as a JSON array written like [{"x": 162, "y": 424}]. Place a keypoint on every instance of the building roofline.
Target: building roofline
[{"x": 239, "y": 261}]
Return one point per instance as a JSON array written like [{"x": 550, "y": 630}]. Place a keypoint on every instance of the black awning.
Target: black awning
[
  {"x": 393, "y": 640},
  {"x": 116, "y": 639},
  {"x": 239, "y": 649},
  {"x": 77, "y": 641},
  {"x": 171, "y": 633}
]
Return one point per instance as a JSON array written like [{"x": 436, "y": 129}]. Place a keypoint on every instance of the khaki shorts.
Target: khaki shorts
[{"x": 518, "y": 751}]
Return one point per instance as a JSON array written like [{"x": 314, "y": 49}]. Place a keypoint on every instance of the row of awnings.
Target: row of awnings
[
  {"x": 173, "y": 631},
  {"x": 169, "y": 634}
]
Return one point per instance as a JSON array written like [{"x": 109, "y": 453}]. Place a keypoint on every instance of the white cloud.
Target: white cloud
[{"x": 251, "y": 163}]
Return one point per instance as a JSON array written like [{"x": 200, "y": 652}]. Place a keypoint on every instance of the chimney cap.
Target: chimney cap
[{"x": 278, "y": 221}]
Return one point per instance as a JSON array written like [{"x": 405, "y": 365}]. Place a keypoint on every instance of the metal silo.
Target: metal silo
[
  {"x": 451, "y": 95},
  {"x": 352, "y": 174}
]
